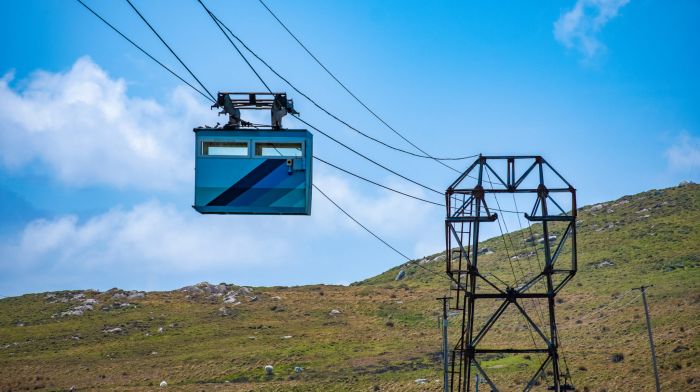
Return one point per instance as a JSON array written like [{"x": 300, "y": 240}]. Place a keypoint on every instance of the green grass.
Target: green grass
[{"x": 386, "y": 335}]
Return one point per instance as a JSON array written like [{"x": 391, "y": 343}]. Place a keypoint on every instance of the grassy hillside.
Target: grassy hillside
[{"x": 378, "y": 334}]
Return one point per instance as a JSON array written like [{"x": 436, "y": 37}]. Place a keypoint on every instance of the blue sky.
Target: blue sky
[{"x": 96, "y": 141}]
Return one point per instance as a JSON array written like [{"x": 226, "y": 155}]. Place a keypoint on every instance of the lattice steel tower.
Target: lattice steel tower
[{"x": 552, "y": 232}]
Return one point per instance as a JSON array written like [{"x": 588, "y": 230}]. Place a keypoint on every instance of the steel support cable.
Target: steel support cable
[
  {"x": 316, "y": 104},
  {"x": 163, "y": 65},
  {"x": 537, "y": 302},
  {"x": 408, "y": 259},
  {"x": 538, "y": 306},
  {"x": 169, "y": 48},
  {"x": 566, "y": 364},
  {"x": 522, "y": 230},
  {"x": 505, "y": 244},
  {"x": 410, "y": 262},
  {"x": 348, "y": 90},
  {"x": 370, "y": 181},
  {"x": 219, "y": 23},
  {"x": 510, "y": 237},
  {"x": 376, "y": 183},
  {"x": 510, "y": 261},
  {"x": 360, "y": 224},
  {"x": 539, "y": 265},
  {"x": 205, "y": 96},
  {"x": 413, "y": 262},
  {"x": 145, "y": 52},
  {"x": 534, "y": 247},
  {"x": 366, "y": 157},
  {"x": 540, "y": 313}
]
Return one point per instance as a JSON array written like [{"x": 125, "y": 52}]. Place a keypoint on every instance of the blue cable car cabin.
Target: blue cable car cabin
[
  {"x": 248, "y": 171},
  {"x": 253, "y": 172}
]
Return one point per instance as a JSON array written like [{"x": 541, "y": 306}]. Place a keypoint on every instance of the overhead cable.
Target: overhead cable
[
  {"x": 376, "y": 183},
  {"x": 170, "y": 49},
  {"x": 220, "y": 23},
  {"x": 409, "y": 261},
  {"x": 415, "y": 263},
  {"x": 360, "y": 224},
  {"x": 144, "y": 51},
  {"x": 372, "y": 112},
  {"x": 205, "y": 96},
  {"x": 510, "y": 260},
  {"x": 366, "y": 157}
]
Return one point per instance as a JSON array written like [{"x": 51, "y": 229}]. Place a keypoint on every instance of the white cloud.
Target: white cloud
[
  {"x": 578, "y": 28},
  {"x": 150, "y": 236},
  {"x": 84, "y": 127},
  {"x": 87, "y": 130},
  {"x": 389, "y": 213},
  {"x": 154, "y": 236},
  {"x": 684, "y": 153}
]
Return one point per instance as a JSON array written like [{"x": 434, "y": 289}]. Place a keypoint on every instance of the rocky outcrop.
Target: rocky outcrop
[
  {"x": 76, "y": 310},
  {"x": 82, "y": 303}
]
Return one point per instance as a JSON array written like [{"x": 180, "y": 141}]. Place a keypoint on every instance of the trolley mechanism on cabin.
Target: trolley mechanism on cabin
[{"x": 246, "y": 168}]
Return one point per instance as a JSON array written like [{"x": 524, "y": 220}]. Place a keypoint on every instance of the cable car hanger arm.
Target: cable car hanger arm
[{"x": 231, "y": 103}]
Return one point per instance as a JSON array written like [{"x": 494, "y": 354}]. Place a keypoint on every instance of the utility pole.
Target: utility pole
[
  {"x": 643, "y": 289},
  {"x": 445, "y": 352}
]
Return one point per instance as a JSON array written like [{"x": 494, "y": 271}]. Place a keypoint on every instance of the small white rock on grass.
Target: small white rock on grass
[{"x": 163, "y": 384}]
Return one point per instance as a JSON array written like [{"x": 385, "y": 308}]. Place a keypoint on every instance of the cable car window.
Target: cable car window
[
  {"x": 278, "y": 149},
  {"x": 237, "y": 149}
]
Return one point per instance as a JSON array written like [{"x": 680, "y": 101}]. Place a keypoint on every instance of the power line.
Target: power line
[
  {"x": 170, "y": 49},
  {"x": 609, "y": 304},
  {"x": 144, "y": 51},
  {"x": 316, "y": 104},
  {"x": 604, "y": 316},
  {"x": 377, "y": 184},
  {"x": 350, "y": 92}
]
